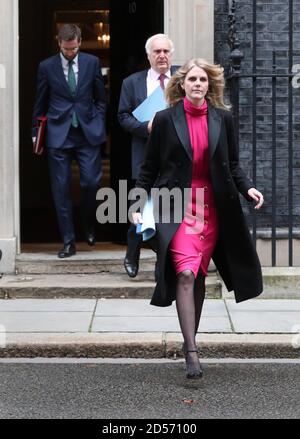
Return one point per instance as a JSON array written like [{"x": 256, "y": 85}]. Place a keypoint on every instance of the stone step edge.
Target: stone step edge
[
  {"x": 91, "y": 293},
  {"x": 97, "y": 276},
  {"x": 92, "y": 289},
  {"x": 147, "y": 345},
  {"x": 79, "y": 266},
  {"x": 71, "y": 281}
]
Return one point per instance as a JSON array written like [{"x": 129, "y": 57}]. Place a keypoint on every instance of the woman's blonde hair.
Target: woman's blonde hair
[{"x": 215, "y": 73}]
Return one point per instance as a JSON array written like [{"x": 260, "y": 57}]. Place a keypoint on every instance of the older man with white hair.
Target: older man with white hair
[{"x": 135, "y": 89}]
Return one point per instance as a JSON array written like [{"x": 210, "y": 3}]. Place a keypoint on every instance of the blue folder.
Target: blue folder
[{"x": 154, "y": 103}]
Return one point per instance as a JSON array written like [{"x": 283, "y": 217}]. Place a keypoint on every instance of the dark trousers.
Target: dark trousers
[
  {"x": 88, "y": 159},
  {"x": 134, "y": 241}
]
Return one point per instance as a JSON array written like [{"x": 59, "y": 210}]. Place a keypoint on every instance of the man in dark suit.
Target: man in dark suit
[
  {"x": 71, "y": 93},
  {"x": 135, "y": 89}
]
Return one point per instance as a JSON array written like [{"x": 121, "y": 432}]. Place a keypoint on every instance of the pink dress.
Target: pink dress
[{"x": 193, "y": 244}]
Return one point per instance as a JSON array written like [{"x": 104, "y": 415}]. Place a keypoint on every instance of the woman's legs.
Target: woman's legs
[
  {"x": 199, "y": 295},
  {"x": 186, "y": 309}
]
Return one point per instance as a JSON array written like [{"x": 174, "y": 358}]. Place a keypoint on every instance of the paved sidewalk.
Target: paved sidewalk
[{"x": 134, "y": 328}]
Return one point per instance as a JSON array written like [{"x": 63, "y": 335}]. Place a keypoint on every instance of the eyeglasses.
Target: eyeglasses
[{"x": 74, "y": 49}]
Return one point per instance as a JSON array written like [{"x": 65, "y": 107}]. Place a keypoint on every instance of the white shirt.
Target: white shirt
[
  {"x": 153, "y": 80},
  {"x": 65, "y": 66}
]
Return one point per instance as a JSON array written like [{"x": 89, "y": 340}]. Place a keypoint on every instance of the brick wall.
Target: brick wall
[{"x": 272, "y": 34}]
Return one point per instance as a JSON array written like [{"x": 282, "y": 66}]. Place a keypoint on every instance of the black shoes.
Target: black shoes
[
  {"x": 67, "y": 251},
  {"x": 193, "y": 367},
  {"x": 89, "y": 234},
  {"x": 131, "y": 267},
  {"x": 90, "y": 239}
]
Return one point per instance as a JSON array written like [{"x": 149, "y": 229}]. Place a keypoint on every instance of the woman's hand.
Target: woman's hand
[
  {"x": 257, "y": 196},
  {"x": 137, "y": 218}
]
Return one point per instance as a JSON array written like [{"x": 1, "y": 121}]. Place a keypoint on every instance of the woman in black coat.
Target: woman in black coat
[{"x": 169, "y": 164}]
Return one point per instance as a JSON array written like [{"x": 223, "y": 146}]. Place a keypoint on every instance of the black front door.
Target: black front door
[
  {"x": 129, "y": 24},
  {"x": 132, "y": 23}
]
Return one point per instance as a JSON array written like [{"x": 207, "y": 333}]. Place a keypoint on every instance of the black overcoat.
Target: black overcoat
[{"x": 168, "y": 163}]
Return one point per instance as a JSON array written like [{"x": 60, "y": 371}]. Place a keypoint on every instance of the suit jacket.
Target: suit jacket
[
  {"x": 54, "y": 100},
  {"x": 133, "y": 93},
  {"x": 168, "y": 164}
]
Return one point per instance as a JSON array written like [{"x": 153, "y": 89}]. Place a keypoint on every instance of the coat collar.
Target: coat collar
[
  {"x": 214, "y": 129},
  {"x": 179, "y": 120},
  {"x": 181, "y": 126},
  {"x": 142, "y": 85}
]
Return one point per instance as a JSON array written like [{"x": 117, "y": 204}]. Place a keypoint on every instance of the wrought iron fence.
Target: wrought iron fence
[{"x": 264, "y": 101}]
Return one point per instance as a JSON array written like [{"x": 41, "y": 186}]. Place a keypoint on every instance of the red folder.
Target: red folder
[{"x": 39, "y": 144}]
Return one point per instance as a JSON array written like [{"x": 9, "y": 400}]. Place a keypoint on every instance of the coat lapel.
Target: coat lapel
[
  {"x": 82, "y": 66},
  {"x": 142, "y": 86},
  {"x": 214, "y": 129},
  {"x": 60, "y": 74},
  {"x": 181, "y": 127}
]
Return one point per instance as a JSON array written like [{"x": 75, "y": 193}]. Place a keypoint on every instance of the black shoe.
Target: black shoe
[
  {"x": 132, "y": 268},
  {"x": 91, "y": 240},
  {"x": 193, "y": 370},
  {"x": 67, "y": 251},
  {"x": 89, "y": 235}
]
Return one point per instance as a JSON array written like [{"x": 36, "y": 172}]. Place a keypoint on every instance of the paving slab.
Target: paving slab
[
  {"x": 264, "y": 322},
  {"x": 156, "y": 324},
  {"x": 135, "y": 324},
  {"x": 265, "y": 316},
  {"x": 45, "y": 321},
  {"x": 214, "y": 308},
  {"x": 44, "y": 305},
  {"x": 215, "y": 324},
  {"x": 132, "y": 308},
  {"x": 261, "y": 305},
  {"x": 138, "y": 315},
  {"x": 129, "y": 308}
]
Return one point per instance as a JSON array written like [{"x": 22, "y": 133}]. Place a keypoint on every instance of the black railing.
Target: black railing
[{"x": 277, "y": 78}]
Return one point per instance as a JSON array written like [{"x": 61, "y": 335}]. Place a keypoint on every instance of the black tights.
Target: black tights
[{"x": 190, "y": 294}]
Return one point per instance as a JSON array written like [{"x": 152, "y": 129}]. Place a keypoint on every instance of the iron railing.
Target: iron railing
[{"x": 276, "y": 77}]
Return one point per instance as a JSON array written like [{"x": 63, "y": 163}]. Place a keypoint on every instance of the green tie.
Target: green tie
[{"x": 72, "y": 87}]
